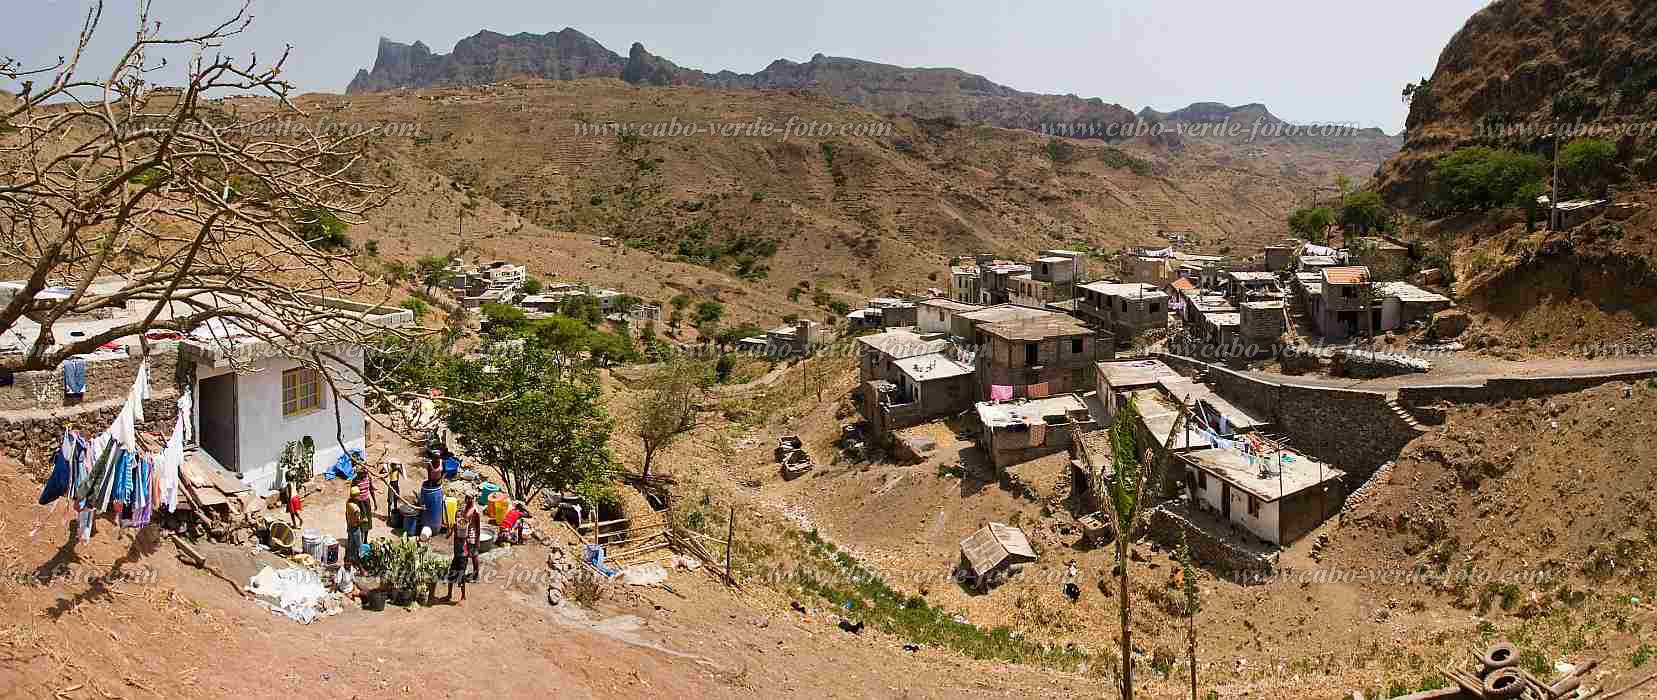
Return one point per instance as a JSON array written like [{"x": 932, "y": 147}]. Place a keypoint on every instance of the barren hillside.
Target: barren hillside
[{"x": 852, "y": 215}]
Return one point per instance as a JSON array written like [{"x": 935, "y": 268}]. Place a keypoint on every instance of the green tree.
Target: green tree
[
  {"x": 679, "y": 302},
  {"x": 1310, "y": 223},
  {"x": 610, "y": 348},
  {"x": 1588, "y": 166},
  {"x": 562, "y": 335},
  {"x": 430, "y": 269},
  {"x": 1478, "y": 178},
  {"x": 839, "y": 307},
  {"x": 322, "y": 229},
  {"x": 583, "y": 308},
  {"x": 627, "y": 302},
  {"x": 666, "y": 409},
  {"x": 536, "y": 421},
  {"x": 415, "y": 305},
  {"x": 502, "y": 320},
  {"x": 1364, "y": 212},
  {"x": 532, "y": 286},
  {"x": 709, "y": 312}
]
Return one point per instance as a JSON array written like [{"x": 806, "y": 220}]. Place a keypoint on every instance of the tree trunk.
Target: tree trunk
[
  {"x": 1127, "y": 643},
  {"x": 648, "y": 454},
  {"x": 1191, "y": 650}
]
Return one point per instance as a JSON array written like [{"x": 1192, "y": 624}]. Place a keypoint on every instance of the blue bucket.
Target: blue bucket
[{"x": 411, "y": 519}]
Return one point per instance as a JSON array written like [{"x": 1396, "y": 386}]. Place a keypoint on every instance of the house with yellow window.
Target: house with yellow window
[{"x": 251, "y": 399}]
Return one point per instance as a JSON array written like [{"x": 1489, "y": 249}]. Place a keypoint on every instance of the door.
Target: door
[
  {"x": 216, "y": 416},
  {"x": 1225, "y": 499}
]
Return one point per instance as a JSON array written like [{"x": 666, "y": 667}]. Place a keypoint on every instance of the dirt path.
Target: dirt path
[{"x": 1469, "y": 370}]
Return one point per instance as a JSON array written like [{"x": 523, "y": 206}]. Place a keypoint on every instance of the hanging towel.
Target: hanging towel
[
  {"x": 58, "y": 483},
  {"x": 74, "y": 376},
  {"x": 1001, "y": 392},
  {"x": 140, "y": 390},
  {"x": 1037, "y": 391},
  {"x": 125, "y": 428}
]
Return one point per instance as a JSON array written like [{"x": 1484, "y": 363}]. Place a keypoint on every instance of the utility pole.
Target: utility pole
[{"x": 1553, "y": 188}]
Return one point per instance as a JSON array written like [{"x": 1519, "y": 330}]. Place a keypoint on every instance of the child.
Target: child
[
  {"x": 294, "y": 505},
  {"x": 393, "y": 476}
]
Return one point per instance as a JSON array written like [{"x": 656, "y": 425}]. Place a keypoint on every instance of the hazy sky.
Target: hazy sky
[{"x": 1307, "y": 60}]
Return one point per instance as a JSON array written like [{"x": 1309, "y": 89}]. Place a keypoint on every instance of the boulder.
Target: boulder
[{"x": 1449, "y": 323}]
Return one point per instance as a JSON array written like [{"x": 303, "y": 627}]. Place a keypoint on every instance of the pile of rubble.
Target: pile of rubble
[{"x": 791, "y": 455}]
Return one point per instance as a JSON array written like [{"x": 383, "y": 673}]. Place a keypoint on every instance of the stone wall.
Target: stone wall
[
  {"x": 1511, "y": 388},
  {"x": 1164, "y": 526},
  {"x": 1355, "y": 431},
  {"x": 30, "y": 437},
  {"x": 106, "y": 379}
]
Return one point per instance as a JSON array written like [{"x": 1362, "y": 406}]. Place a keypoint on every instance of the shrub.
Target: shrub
[
  {"x": 1310, "y": 222},
  {"x": 1479, "y": 178},
  {"x": 1588, "y": 166}
]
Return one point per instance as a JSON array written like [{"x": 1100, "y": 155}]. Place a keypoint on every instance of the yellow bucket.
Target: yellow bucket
[{"x": 451, "y": 505}]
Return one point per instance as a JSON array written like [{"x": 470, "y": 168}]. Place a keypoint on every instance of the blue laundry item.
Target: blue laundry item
[
  {"x": 74, "y": 376},
  {"x": 343, "y": 467},
  {"x": 451, "y": 466},
  {"x": 594, "y": 554},
  {"x": 58, "y": 483},
  {"x": 123, "y": 479}
]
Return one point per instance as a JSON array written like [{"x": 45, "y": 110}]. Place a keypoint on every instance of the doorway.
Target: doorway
[
  {"x": 1225, "y": 499},
  {"x": 216, "y": 412}
]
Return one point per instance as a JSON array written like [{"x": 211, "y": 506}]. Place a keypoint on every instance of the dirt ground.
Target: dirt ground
[{"x": 168, "y": 629}]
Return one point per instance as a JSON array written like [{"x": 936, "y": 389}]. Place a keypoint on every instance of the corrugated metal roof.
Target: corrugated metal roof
[{"x": 995, "y": 544}]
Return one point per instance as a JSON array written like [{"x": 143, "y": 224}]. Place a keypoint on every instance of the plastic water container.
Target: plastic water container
[
  {"x": 411, "y": 519},
  {"x": 499, "y": 503},
  {"x": 486, "y": 491},
  {"x": 432, "y": 498},
  {"x": 451, "y": 506}
]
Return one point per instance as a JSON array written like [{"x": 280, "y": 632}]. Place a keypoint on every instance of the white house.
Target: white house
[{"x": 251, "y": 400}]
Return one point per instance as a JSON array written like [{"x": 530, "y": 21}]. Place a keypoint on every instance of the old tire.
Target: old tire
[
  {"x": 1498, "y": 656},
  {"x": 1504, "y": 683}
]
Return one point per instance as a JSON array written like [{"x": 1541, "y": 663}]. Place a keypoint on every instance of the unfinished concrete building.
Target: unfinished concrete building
[
  {"x": 1037, "y": 357},
  {"x": 1124, "y": 309}
]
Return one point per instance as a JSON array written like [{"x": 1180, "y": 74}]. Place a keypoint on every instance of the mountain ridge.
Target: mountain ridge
[{"x": 938, "y": 92}]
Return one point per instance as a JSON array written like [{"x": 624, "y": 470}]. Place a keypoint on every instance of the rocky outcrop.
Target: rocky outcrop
[
  {"x": 570, "y": 55},
  {"x": 487, "y": 57},
  {"x": 1517, "y": 67}
]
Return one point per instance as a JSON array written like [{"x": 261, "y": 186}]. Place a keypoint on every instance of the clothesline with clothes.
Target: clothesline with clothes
[{"x": 112, "y": 473}]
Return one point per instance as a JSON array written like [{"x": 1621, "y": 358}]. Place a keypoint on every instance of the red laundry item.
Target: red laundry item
[{"x": 511, "y": 519}]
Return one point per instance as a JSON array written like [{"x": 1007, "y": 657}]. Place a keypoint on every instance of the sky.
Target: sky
[{"x": 1306, "y": 60}]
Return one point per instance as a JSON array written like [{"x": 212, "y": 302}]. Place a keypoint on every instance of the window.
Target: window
[
  {"x": 1349, "y": 292},
  {"x": 1031, "y": 355},
  {"x": 1254, "y": 506},
  {"x": 1156, "y": 308},
  {"x": 1075, "y": 346},
  {"x": 1124, "y": 304},
  {"x": 301, "y": 391}
]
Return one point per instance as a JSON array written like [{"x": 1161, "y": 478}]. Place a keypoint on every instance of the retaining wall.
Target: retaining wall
[
  {"x": 1511, "y": 388},
  {"x": 30, "y": 437},
  {"x": 1164, "y": 526},
  {"x": 107, "y": 378}
]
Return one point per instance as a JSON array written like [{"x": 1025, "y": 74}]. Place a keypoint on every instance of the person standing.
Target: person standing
[
  {"x": 472, "y": 527},
  {"x": 294, "y": 505},
  {"x": 457, "y": 565},
  {"x": 394, "y": 478},
  {"x": 356, "y": 532}
]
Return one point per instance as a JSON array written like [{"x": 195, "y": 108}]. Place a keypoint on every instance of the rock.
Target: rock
[{"x": 1448, "y": 324}]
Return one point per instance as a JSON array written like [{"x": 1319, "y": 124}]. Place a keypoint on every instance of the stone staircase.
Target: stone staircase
[{"x": 1404, "y": 415}]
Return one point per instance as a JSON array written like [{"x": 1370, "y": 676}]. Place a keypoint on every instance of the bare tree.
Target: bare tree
[{"x": 175, "y": 200}]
